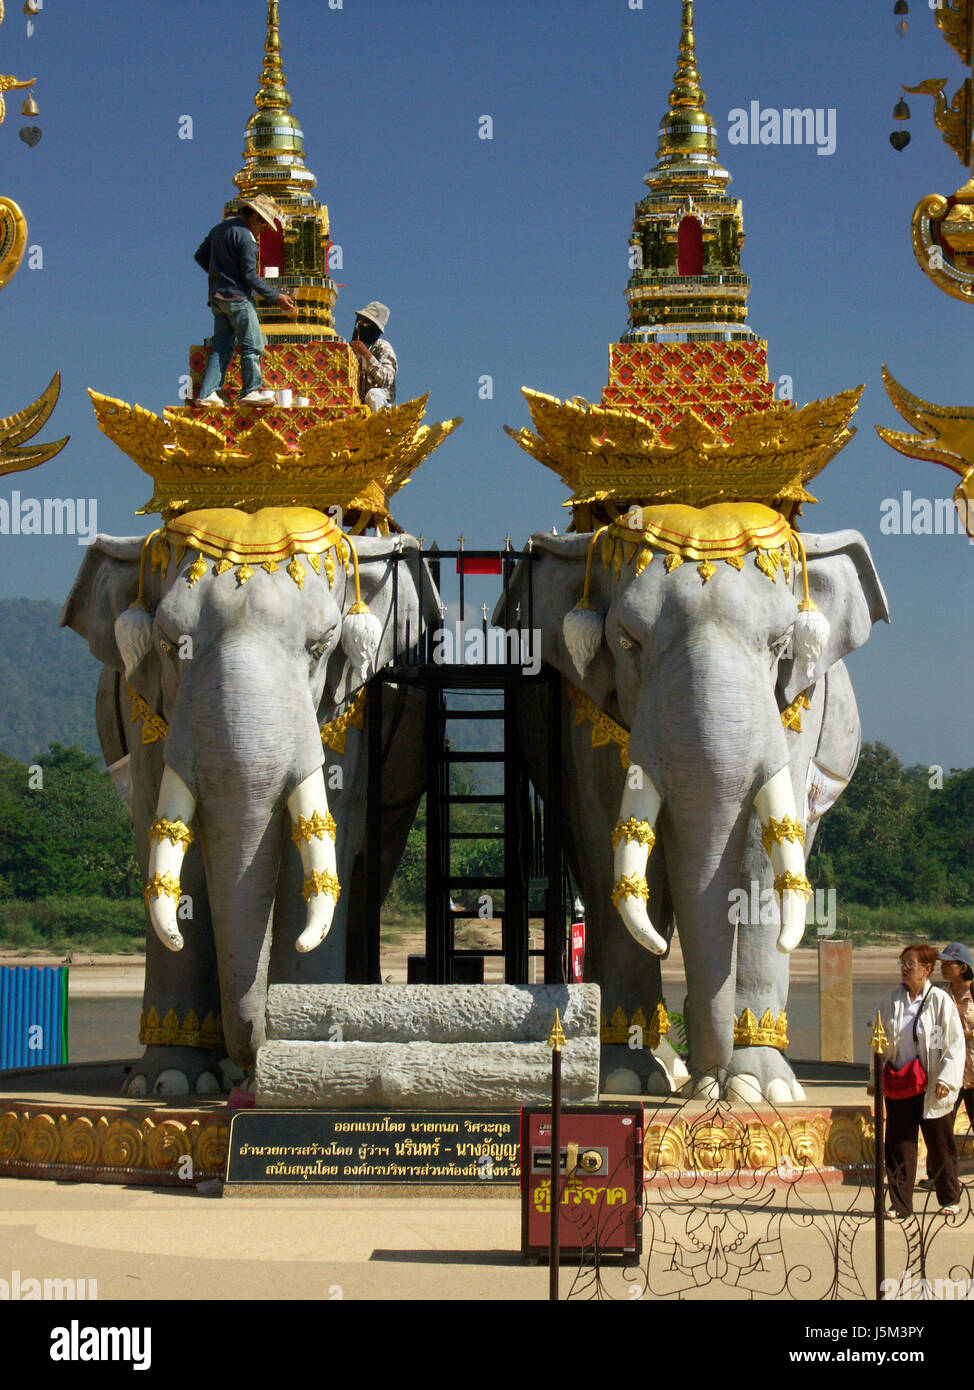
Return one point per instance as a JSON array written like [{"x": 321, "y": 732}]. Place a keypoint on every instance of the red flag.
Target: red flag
[{"x": 470, "y": 564}]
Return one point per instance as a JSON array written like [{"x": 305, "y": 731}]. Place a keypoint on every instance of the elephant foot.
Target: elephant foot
[
  {"x": 175, "y": 1071},
  {"x": 632, "y": 1072},
  {"x": 762, "y": 1073},
  {"x": 703, "y": 1086}
]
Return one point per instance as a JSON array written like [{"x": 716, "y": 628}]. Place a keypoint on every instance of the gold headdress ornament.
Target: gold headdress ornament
[{"x": 727, "y": 531}]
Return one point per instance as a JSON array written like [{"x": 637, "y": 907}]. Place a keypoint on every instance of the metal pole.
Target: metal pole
[
  {"x": 556, "y": 1042},
  {"x": 878, "y": 1046}
]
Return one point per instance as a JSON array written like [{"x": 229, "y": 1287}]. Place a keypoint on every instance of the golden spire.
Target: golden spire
[
  {"x": 686, "y": 91},
  {"x": 687, "y": 149},
  {"x": 273, "y": 94},
  {"x": 274, "y": 148}
]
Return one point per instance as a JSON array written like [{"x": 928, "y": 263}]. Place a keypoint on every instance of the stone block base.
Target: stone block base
[{"x": 425, "y": 1047}]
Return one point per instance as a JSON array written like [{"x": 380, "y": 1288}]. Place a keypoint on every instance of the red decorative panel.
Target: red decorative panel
[{"x": 663, "y": 382}]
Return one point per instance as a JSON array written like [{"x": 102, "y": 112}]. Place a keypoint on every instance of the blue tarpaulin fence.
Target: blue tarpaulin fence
[{"x": 33, "y": 1015}]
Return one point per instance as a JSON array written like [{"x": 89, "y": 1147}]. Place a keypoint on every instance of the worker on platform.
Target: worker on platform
[
  {"x": 229, "y": 257},
  {"x": 377, "y": 364}
]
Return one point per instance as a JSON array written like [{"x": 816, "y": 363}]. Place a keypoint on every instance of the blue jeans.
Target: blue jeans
[{"x": 235, "y": 323}]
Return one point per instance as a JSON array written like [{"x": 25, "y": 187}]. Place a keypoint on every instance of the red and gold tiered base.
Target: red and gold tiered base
[
  {"x": 663, "y": 382},
  {"x": 325, "y": 372}
]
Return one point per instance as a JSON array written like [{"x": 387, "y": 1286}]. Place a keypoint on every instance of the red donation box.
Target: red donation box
[{"x": 600, "y": 1179}]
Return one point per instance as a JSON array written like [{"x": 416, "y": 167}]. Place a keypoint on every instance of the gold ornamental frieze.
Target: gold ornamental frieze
[
  {"x": 96, "y": 1143},
  {"x": 763, "y": 1144}
]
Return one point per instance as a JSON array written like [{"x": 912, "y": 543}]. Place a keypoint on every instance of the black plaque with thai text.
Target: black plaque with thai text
[{"x": 359, "y": 1146}]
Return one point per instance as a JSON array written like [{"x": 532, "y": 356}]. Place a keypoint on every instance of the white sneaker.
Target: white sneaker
[
  {"x": 258, "y": 398},
  {"x": 211, "y": 399}
]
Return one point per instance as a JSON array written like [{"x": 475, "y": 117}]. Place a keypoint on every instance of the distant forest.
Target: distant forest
[{"x": 48, "y": 680}]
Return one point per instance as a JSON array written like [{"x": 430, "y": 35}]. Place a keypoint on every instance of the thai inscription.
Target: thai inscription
[{"x": 276, "y": 1146}]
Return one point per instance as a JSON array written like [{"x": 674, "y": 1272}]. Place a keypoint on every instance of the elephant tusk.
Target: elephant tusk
[
  {"x": 633, "y": 839},
  {"x": 170, "y": 837},
  {"x": 314, "y": 833},
  {"x": 784, "y": 839}
]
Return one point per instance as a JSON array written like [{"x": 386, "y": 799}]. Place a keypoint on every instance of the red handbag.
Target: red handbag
[{"x": 903, "y": 1083}]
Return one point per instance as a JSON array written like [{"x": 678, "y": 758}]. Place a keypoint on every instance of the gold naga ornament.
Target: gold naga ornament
[{"x": 942, "y": 231}]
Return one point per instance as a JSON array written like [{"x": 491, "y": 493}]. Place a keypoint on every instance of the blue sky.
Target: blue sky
[{"x": 505, "y": 257}]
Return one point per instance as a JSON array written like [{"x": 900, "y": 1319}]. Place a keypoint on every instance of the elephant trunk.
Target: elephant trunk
[
  {"x": 314, "y": 834},
  {"x": 784, "y": 838},
  {"x": 170, "y": 837},
  {"x": 633, "y": 839}
]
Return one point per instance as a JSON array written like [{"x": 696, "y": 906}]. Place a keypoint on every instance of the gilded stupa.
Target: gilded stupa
[
  {"x": 326, "y": 451},
  {"x": 688, "y": 415}
]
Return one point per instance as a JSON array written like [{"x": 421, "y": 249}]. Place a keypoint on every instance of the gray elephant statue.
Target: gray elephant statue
[
  {"x": 237, "y": 686},
  {"x": 708, "y": 722}
]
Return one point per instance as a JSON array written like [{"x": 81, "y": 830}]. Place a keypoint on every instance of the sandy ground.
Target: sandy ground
[{"x": 97, "y": 976}]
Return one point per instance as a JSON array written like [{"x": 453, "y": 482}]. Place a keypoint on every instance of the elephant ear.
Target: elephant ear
[
  {"x": 845, "y": 587},
  {"x": 106, "y": 588},
  {"x": 400, "y": 595},
  {"x": 545, "y": 591}
]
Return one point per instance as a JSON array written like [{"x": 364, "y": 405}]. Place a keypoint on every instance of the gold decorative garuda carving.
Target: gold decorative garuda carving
[
  {"x": 16, "y": 456},
  {"x": 945, "y": 436},
  {"x": 616, "y": 459},
  {"x": 355, "y": 465}
]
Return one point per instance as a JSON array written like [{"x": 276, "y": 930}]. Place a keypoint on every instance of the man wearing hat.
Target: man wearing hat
[
  {"x": 377, "y": 364},
  {"x": 957, "y": 969},
  {"x": 229, "y": 257}
]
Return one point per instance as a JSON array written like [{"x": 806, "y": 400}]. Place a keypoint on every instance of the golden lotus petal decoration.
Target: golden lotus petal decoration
[
  {"x": 607, "y": 455},
  {"x": 355, "y": 463}
]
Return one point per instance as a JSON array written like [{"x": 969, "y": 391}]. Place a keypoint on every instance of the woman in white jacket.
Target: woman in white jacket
[{"x": 921, "y": 1021}]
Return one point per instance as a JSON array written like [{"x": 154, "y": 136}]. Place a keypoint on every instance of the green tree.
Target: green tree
[
  {"x": 67, "y": 834},
  {"x": 866, "y": 846}
]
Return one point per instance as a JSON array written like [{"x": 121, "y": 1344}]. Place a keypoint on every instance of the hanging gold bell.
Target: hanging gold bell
[{"x": 30, "y": 107}]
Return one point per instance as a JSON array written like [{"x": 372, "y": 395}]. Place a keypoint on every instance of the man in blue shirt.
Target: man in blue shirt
[{"x": 229, "y": 257}]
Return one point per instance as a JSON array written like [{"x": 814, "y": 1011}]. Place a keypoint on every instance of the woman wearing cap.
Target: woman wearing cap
[
  {"x": 957, "y": 968},
  {"x": 923, "y": 1073}
]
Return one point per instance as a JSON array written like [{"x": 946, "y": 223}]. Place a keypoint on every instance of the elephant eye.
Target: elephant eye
[
  {"x": 626, "y": 643},
  {"x": 316, "y": 650},
  {"x": 781, "y": 646}
]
